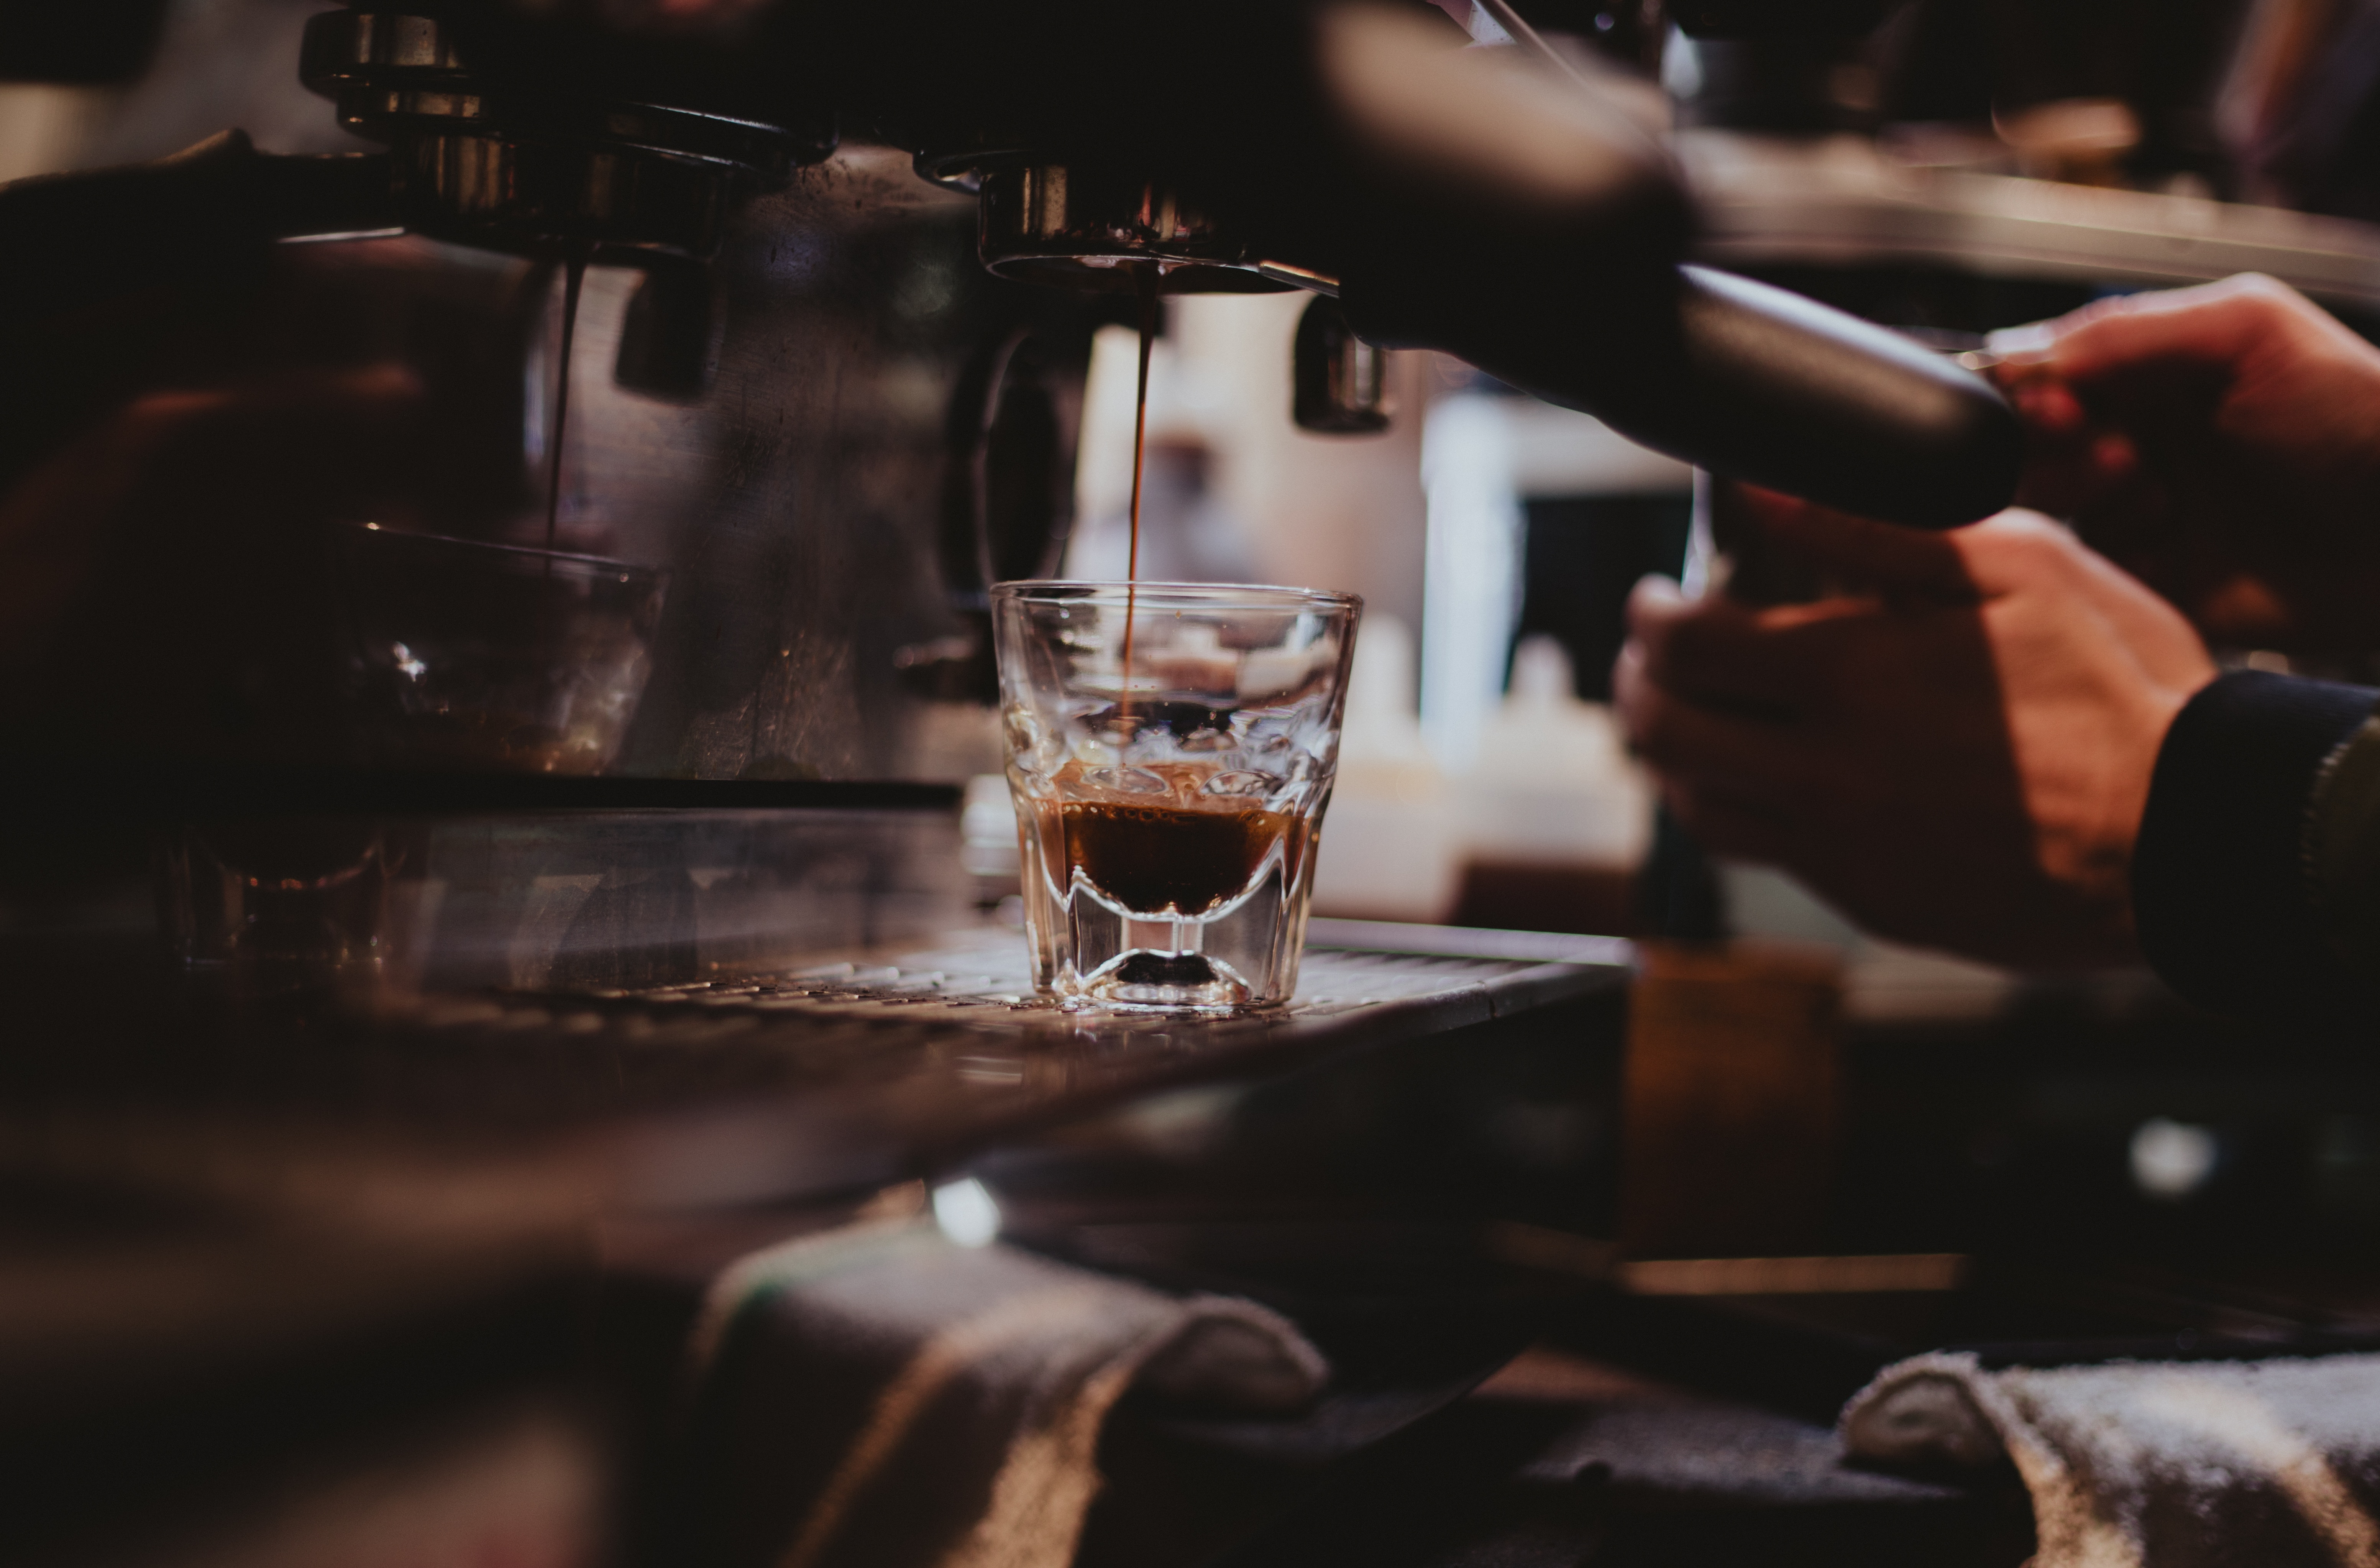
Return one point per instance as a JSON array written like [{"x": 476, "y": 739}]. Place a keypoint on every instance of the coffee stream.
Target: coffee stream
[
  {"x": 574, "y": 276},
  {"x": 1168, "y": 842},
  {"x": 1147, "y": 282}
]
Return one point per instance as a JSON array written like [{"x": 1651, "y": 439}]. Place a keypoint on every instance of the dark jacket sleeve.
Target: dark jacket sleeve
[{"x": 2247, "y": 801}]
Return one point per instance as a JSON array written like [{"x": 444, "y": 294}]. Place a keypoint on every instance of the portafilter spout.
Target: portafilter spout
[{"x": 1098, "y": 229}]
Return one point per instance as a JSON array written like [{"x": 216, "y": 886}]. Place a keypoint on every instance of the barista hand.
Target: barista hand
[
  {"x": 1957, "y": 755},
  {"x": 2221, "y": 442}
]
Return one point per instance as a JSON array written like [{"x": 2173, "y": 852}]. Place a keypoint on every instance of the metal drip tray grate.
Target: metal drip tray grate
[
  {"x": 952, "y": 1030},
  {"x": 757, "y": 1086},
  {"x": 982, "y": 980}
]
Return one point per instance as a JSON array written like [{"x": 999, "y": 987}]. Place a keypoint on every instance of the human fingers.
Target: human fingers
[
  {"x": 1884, "y": 555},
  {"x": 2157, "y": 634},
  {"x": 1708, "y": 648},
  {"x": 2073, "y": 460},
  {"x": 2215, "y": 325},
  {"x": 1731, "y": 781},
  {"x": 2041, "y": 399},
  {"x": 1730, "y": 825},
  {"x": 1720, "y": 650},
  {"x": 2097, "y": 471},
  {"x": 2053, "y": 417},
  {"x": 1692, "y": 744},
  {"x": 2018, "y": 554}
]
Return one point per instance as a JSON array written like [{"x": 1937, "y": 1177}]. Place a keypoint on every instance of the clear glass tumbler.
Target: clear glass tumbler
[
  {"x": 492, "y": 657},
  {"x": 1170, "y": 748}
]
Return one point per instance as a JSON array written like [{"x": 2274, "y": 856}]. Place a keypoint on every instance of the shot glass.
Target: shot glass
[{"x": 1170, "y": 748}]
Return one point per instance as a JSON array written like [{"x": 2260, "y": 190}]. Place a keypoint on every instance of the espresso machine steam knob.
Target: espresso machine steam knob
[{"x": 1339, "y": 382}]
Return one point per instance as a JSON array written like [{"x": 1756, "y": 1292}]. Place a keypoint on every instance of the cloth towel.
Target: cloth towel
[
  {"x": 2153, "y": 1464},
  {"x": 879, "y": 1396}
]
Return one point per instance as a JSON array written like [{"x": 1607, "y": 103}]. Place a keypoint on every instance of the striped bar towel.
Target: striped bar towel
[
  {"x": 2153, "y": 1464},
  {"x": 879, "y": 1396}
]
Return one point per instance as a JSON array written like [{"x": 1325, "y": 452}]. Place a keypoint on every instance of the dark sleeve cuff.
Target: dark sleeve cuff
[{"x": 2220, "y": 891}]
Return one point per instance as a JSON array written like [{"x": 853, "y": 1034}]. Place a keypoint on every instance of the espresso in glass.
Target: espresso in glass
[{"x": 1169, "y": 808}]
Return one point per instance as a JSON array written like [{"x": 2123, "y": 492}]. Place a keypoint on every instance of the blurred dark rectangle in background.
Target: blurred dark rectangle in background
[
  {"x": 1583, "y": 554},
  {"x": 84, "y": 40}
]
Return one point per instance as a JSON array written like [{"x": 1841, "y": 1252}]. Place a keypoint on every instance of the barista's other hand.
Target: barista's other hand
[
  {"x": 1957, "y": 755},
  {"x": 2223, "y": 443}
]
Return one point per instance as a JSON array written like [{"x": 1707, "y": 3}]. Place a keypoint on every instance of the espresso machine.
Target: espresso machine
[{"x": 458, "y": 983}]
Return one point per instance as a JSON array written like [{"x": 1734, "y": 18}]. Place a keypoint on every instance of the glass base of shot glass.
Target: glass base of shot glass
[{"x": 1090, "y": 950}]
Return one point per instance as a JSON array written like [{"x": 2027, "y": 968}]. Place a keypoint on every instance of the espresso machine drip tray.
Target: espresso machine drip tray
[
  {"x": 759, "y": 1085},
  {"x": 779, "y": 1085},
  {"x": 979, "y": 982}
]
